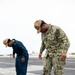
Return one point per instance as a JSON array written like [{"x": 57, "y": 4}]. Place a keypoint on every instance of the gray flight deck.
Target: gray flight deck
[{"x": 35, "y": 66}]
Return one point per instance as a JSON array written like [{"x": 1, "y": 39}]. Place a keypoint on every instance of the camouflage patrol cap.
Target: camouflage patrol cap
[
  {"x": 5, "y": 42},
  {"x": 37, "y": 25}
]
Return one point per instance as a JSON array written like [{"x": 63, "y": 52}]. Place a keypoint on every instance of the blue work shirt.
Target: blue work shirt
[{"x": 19, "y": 49}]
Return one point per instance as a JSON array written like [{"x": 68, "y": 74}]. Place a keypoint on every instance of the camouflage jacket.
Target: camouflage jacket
[{"x": 54, "y": 40}]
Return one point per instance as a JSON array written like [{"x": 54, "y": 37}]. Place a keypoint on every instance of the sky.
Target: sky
[{"x": 17, "y": 19}]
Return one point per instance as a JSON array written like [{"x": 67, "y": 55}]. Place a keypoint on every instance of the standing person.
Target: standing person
[
  {"x": 22, "y": 55},
  {"x": 56, "y": 43}
]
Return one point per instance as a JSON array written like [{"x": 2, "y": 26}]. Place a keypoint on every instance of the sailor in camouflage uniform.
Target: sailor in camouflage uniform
[{"x": 56, "y": 44}]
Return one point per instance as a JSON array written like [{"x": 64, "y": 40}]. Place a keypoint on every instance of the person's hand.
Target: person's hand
[
  {"x": 63, "y": 55},
  {"x": 23, "y": 59},
  {"x": 13, "y": 56},
  {"x": 40, "y": 56}
]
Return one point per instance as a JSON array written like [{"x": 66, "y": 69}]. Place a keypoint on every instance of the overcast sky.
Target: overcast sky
[{"x": 17, "y": 19}]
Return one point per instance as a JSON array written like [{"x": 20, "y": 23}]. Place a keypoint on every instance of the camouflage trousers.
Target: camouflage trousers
[{"x": 54, "y": 62}]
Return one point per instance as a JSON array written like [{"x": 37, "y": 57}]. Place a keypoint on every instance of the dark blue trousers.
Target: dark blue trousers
[{"x": 21, "y": 67}]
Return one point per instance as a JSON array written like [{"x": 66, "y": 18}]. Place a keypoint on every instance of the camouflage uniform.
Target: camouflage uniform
[{"x": 55, "y": 42}]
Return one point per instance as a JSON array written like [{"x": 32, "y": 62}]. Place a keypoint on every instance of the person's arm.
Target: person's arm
[
  {"x": 41, "y": 50},
  {"x": 64, "y": 43},
  {"x": 13, "y": 53},
  {"x": 24, "y": 51}
]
